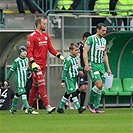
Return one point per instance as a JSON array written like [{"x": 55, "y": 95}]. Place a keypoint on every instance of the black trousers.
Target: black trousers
[{"x": 29, "y": 4}]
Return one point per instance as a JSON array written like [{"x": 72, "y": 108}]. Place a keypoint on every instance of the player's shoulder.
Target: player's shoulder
[
  {"x": 93, "y": 36},
  {"x": 17, "y": 59},
  {"x": 68, "y": 58},
  {"x": 33, "y": 33}
]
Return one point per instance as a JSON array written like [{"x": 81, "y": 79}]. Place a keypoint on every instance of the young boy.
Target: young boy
[
  {"x": 69, "y": 78},
  {"x": 21, "y": 68}
]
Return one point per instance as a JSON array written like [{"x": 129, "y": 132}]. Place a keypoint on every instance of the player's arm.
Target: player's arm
[
  {"x": 10, "y": 72},
  {"x": 85, "y": 57},
  {"x": 106, "y": 62},
  {"x": 87, "y": 46},
  {"x": 53, "y": 51},
  {"x": 30, "y": 47},
  {"x": 64, "y": 72}
]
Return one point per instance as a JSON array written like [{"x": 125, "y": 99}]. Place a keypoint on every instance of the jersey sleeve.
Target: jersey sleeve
[
  {"x": 65, "y": 70},
  {"x": 89, "y": 41},
  {"x": 30, "y": 46},
  {"x": 51, "y": 48},
  {"x": 12, "y": 69}
]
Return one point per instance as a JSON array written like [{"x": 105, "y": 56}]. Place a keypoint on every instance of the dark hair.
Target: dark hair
[
  {"x": 38, "y": 20},
  {"x": 99, "y": 25},
  {"x": 72, "y": 45},
  {"x": 86, "y": 34}
]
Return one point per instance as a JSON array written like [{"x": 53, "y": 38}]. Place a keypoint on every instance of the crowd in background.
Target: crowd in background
[{"x": 103, "y": 8}]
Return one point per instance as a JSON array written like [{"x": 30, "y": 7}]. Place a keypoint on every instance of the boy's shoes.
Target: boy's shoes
[
  {"x": 50, "y": 109},
  {"x": 31, "y": 111},
  {"x": 13, "y": 111},
  {"x": 81, "y": 109},
  {"x": 99, "y": 111},
  {"x": 61, "y": 111},
  {"x": 91, "y": 109}
]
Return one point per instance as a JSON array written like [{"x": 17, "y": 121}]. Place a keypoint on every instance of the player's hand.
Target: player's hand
[
  {"x": 6, "y": 83},
  {"x": 87, "y": 68},
  {"x": 109, "y": 71},
  {"x": 35, "y": 67},
  {"x": 63, "y": 85},
  {"x": 61, "y": 57}
]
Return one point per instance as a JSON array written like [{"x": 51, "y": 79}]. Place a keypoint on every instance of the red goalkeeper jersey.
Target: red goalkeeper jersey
[{"x": 38, "y": 46}]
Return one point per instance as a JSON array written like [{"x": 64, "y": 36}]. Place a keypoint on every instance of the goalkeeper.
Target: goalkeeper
[{"x": 38, "y": 45}]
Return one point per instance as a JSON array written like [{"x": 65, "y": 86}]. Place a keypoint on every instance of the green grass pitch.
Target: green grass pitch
[{"x": 115, "y": 120}]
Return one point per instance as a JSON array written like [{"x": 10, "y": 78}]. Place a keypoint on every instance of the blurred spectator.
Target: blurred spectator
[
  {"x": 67, "y": 4},
  {"x": 120, "y": 6},
  {"x": 29, "y": 3},
  {"x": 99, "y": 7},
  {"x": 6, "y": 96}
]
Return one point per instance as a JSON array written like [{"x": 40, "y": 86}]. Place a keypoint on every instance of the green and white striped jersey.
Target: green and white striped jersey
[
  {"x": 97, "y": 48},
  {"x": 70, "y": 69},
  {"x": 20, "y": 67}
]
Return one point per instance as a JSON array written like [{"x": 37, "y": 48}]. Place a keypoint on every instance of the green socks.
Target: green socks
[
  {"x": 14, "y": 102},
  {"x": 95, "y": 97}
]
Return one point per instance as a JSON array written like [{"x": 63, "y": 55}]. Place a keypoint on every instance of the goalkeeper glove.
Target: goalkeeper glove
[
  {"x": 61, "y": 57},
  {"x": 35, "y": 67}
]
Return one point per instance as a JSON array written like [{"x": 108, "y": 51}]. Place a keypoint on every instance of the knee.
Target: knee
[
  {"x": 83, "y": 88},
  {"x": 99, "y": 85}
]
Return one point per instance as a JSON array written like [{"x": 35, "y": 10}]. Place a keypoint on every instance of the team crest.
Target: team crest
[{"x": 45, "y": 38}]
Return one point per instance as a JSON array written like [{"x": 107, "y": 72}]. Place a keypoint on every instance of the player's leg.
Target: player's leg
[
  {"x": 14, "y": 104},
  {"x": 98, "y": 97},
  {"x": 28, "y": 108},
  {"x": 82, "y": 98},
  {"x": 33, "y": 95},
  {"x": 24, "y": 100},
  {"x": 72, "y": 89},
  {"x": 94, "y": 73},
  {"x": 82, "y": 83},
  {"x": 76, "y": 103},
  {"x": 95, "y": 94},
  {"x": 42, "y": 92},
  {"x": 63, "y": 101}
]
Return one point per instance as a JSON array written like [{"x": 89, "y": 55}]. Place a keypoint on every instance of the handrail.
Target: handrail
[
  {"x": 37, "y": 6},
  {"x": 85, "y": 11}
]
